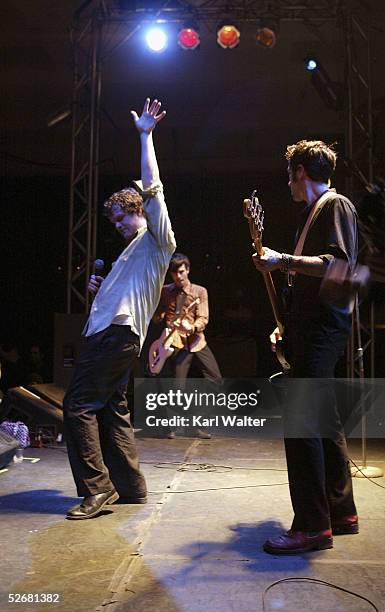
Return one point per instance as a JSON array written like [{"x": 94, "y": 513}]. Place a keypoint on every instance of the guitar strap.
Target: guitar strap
[{"x": 311, "y": 217}]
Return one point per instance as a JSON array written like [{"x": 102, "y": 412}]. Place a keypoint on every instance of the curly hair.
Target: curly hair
[
  {"x": 317, "y": 158},
  {"x": 128, "y": 199}
]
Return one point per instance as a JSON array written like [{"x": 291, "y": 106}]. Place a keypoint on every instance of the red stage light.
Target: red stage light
[
  {"x": 188, "y": 38},
  {"x": 228, "y": 36}
]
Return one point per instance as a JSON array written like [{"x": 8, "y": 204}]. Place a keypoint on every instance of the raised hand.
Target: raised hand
[{"x": 149, "y": 117}]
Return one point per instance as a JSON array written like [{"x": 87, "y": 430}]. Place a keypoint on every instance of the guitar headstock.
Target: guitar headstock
[{"x": 254, "y": 213}]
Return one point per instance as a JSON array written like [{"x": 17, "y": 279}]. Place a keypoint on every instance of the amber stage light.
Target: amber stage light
[{"x": 266, "y": 37}]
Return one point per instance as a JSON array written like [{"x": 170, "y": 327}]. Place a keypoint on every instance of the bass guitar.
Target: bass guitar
[
  {"x": 254, "y": 214},
  {"x": 161, "y": 349}
]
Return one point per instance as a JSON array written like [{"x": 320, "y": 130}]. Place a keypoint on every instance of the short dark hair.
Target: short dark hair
[
  {"x": 128, "y": 199},
  {"x": 177, "y": 260},
  {"x": 317, "y": 158}
]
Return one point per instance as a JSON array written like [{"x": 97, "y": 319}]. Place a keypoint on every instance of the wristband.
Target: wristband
[{"x": 286, "y": 262}]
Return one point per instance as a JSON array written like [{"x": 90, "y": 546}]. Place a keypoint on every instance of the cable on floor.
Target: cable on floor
[
  {"x": 365, "y": 476},
  {"x": 315, "y": 581}
]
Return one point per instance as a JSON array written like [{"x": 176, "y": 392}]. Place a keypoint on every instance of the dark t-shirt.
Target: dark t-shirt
[{"x": 332, "y": 233}]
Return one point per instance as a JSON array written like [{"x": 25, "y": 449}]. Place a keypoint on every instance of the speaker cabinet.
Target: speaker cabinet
[
  {"x": 35, "y": 412},
  {"x": 68, "y": 344}
]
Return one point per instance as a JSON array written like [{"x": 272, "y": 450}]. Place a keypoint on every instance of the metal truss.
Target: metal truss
[
  {"x": 86, "y": 41},
  {"x": 359, "y": 161},
  {"x": 91, "y": 44},
  {"x": 359, "y": 129},
  {"x": 215, "y": 10}
]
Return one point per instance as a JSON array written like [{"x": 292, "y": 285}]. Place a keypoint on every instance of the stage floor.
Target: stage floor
[{"x": 196, "y": 546}]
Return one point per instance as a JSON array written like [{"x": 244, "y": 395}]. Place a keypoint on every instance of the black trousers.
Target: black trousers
[
  {"x": 318, "y": 467},
  {"x": 204, "y": 359},
  {"x": 100, "y": 440}
]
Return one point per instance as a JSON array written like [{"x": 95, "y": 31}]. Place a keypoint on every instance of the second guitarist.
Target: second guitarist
[{"x": 189, "y": 342}]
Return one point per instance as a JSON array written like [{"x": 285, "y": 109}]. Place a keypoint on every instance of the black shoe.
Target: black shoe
[
  {"x": 202, "y": 434},
  {"x": 92, "y": 505},
  {"x": 299, "y": 542},
  {"x": 132, "y": 499},
  {"x": 346, "y": 525}
]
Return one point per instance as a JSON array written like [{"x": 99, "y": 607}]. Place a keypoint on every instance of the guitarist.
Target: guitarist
[
  {"x": 315, "y": 335},
  {"x": 189, "y": 343}
]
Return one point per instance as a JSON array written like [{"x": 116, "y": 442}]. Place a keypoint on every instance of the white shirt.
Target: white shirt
[{"x": 131, "y": 291}]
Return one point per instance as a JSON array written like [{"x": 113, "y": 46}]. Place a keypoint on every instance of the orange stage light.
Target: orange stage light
[{"x": 228, "y": 36}]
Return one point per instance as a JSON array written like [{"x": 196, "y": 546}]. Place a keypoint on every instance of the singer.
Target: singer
[{"x": 100, "y": 439}]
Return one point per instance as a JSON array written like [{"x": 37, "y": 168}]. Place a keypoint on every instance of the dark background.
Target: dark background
[{"x": 230, "y": 116}]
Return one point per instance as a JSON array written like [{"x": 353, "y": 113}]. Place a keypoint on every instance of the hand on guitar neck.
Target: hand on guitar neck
[
  {"x": 275, "y": 337},
  {"x": 268, "y": 260},
  {"x": 182, "y": 325}
]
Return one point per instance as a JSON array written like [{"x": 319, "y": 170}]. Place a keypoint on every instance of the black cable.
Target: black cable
[
  {"x": 316, "y": 581},
  {"x": 365, "y": 476},
  {"x": 272, "y": 484},
  {"x": 204, "y": 466}
]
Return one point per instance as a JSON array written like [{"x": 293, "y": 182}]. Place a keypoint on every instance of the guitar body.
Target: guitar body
[{"x": 160, "y": 351}]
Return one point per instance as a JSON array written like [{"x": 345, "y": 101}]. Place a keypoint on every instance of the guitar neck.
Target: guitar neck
[
  {"x": 273, "y": 300},
  {"x": 271, "y": 291}
]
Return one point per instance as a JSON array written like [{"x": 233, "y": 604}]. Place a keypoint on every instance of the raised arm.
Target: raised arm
[{"x": 145, "y": 124}]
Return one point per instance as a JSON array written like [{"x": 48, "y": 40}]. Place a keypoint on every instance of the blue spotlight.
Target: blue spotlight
[
  {"x": 156, "y": 39},
  {"x": 311, "y": 64}
]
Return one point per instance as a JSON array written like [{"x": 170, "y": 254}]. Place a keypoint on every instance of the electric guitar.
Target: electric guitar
[
  {"x": 161, "y": 349},
  {"x": 254, "y": 214}
]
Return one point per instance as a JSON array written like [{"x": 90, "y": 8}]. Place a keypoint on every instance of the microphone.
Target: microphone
[{"x": 99, "y": 267}]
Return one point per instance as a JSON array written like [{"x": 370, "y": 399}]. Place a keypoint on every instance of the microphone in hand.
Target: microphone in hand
[
  {"x": 97, "y": 278},
  {"x": 99, "y": 267}
]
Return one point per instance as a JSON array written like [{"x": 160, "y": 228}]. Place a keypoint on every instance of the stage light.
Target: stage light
[
  {"x": 188, "y": 38},
  {"x": 331, "y": 92},
  {"x": 228, "y": 36},
  {"x": 156, "y": 39},
  {"x": 311, "y": 63},
  {"x": 266, "y": 37}
]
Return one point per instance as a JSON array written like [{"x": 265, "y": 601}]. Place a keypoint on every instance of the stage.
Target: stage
[{"x": 197, "y": 544}]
